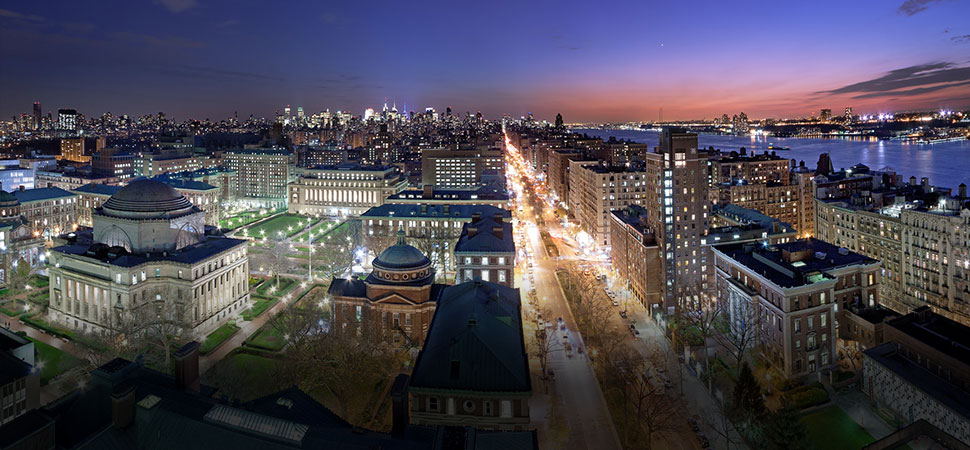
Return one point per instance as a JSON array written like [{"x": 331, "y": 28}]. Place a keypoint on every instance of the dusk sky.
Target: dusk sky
[{"x": 592, "y": 61}]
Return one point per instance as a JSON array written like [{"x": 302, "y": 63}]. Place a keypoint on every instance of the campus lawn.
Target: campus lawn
[
  {"x": 286, "y": 284},
  {"x": 289, "y": 224},
  {"x": 830, "y": 427},
  {"x": 54, "y": 362},
  {"x": 319, "y": 227},
  {"x": 267, "y": 338},
  {"x": 217, "y": 337},
  {"x": 245, "y": 376},
  {"x": 260, "y": 305}
]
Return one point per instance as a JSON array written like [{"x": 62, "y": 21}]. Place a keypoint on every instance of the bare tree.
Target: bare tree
[
  {"x": 722, "y": 426},
  {"x": 163, "y": 320},
  {"x": 545, "y": 344},
  {"x": 744, "y": 328},
  {"x": 647, "y": 406},
  {"x": 437, "y": 240},
  {"x": 342, "y": 361}
]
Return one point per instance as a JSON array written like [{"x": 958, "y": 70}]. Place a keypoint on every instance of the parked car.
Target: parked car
[
  {"x": 693, "y": 424},
  {"x": 623, "y": 314},
  {"x": 616, "y": 303}
]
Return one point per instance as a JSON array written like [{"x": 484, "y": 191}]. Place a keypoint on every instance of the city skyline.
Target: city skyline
[{"x": 199, "y": 60}]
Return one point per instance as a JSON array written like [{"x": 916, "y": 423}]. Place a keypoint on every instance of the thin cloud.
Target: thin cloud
[
  {"x": 147, "y": 39},
  {"x": 213, "y": 73},
  {"x": 176, "y": 6},
  {"x": 908, "y": 81},
  {"x": 913, "y": 7},
  {"x": 16, "y": 15},
  {"x": 960, "y": 39}
]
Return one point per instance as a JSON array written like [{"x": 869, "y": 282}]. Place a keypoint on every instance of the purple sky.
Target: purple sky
[{"x": 593, "y": 61}]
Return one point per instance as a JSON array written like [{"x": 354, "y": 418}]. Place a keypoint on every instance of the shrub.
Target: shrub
[{"x": 807, "y": 396}]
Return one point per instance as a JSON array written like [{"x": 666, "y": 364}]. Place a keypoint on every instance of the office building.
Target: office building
[
  {"x": 112, "y": 162},
  {"x": 13, "y": 178},
  {"x": 72, "y": 149},
  {"x": 636, "y": 255},
  {"x": 263, "y": 174},
  {"x": 169, "y": 160},
  {"x": 67, "y": 123},
  {"x": 786, "y": 299},
  {"x": 18, "y": 243},
  {"x": 147, "y": 250},
  {"x": 459, "y": 169},
  {"x": 346, "y": 189}
]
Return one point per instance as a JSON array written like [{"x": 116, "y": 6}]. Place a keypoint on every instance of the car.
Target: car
[
  {"x": 636, "y": 332},
  {"x": 559, "y": 319},
  {"x": 565, "y": 336},
  {"x": 703, "y": 439},
  {"x": 562, "y": 327},
  {"x": 616, "y": 303},
  {"x": 623, "y": 314}
]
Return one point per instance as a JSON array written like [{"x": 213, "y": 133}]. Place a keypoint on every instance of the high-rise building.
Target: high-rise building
[
  {"x": 72, "y": 149},
  {"x": 263, "y": 173},
  {"x": 37, "y": 116},
  {"x": 459, "y": 169},
  {"x": 599, "y": 189},
  {"x": 113, "y": 162},
  {"x": 67, "y": 121},
  {"x": 678, "y": 206},
  {"x": 825, "y": 115}
]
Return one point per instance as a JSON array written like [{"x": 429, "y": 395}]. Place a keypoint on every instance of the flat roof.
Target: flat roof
[
  {"x": 933, "y": 385},
  {"x": 772, "y": 261}
]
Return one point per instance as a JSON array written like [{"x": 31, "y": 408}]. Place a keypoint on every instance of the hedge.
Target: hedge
[
  {"x": 808, "y": 396},
  {"x": 47, "y": 328},
  {"x": 217, "y": 337}
]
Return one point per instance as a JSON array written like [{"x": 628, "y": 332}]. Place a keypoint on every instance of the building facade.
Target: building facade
[
  {"x": 459, "y": 169},
  {"x": 49, "y": 211},
  {"x": 785, "y": 299},
  {"x": 486, "y": 251},
  {"x": 263, "y": 174},
  {"x": 348, "y": 189},
  {"x": 146, "y": 259},
  {"x": 600, "y": 189}
]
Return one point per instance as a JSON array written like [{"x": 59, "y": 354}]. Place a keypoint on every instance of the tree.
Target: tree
[
  {"x": 784, "y": 430},
  {"x": 646, "y": 403},
  {"x": 19, "y": 275},
  {"x": 747, "y": 403},
  {"x": 347, "y": 363},
  {"x": 163, "y": 320},
  {"x": 545, "y": 344},
  {"x": 437, "y": 240},
  {"x": 744, "y": 328}
]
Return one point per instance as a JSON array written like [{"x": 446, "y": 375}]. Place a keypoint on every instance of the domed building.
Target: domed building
[
  {"x": 399, "y": 294},
  {"x": 147, "y": 251}
]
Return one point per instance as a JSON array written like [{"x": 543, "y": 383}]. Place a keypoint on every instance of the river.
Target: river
[{"x": 947, "y": 164}]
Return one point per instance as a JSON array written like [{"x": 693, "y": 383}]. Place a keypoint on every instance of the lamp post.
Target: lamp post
[{"x": 310, "y": 252}]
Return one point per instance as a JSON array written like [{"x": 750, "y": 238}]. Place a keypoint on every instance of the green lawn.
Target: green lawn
[
  {"x": 830, "y": 427},
  {"x": 267, "y": 338},
  {"x": 38, "y": 281},
  {"x": 286, "y": 284},
  {"x": 260, "y": 305},
  {"x": 321, "y": 226},
  {"x": 289, "y": 224},
  {"x": 53, "y": 362},
  {"x": 13, "y": 309},
  {"x": 217, "y": 337}
]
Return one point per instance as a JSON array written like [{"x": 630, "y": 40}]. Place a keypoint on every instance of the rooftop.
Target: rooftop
[
  {"x": 793, "y": 264},
  {"x": 40, "y": 194},
  {"x": 479, "y": 236},
  {"x": 935, "y": 331},
  {"x": 475, "y": 342},
  {"x": 934, "y": 386},
  {"x": 83, "y": 246},
  {"x": 398, "y": 210}
]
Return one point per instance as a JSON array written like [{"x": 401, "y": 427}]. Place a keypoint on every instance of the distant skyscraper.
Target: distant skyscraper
[
  {"x": 848, "y": 115},
  {"x": 37, "y": 116},
  {"x": 558, "y": 120},
  {"x": 825, "y": 115},
  {"x": 67, "y": 121}
]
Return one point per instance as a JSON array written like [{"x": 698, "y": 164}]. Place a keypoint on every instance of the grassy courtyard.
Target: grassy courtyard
[
  {"x": 288, "y": 224},
  {"x": 267, "y": 288},
  {"x": 260, "y": 305},
  {"x": 245, "y": 376},
  {"x": 217, "y": 337},
  {"x": 53, "y": 362},
  {"x": 831, "y": 427}
]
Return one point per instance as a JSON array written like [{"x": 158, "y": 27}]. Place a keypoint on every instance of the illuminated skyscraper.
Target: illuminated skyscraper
[{"x": 37, "y": 116}]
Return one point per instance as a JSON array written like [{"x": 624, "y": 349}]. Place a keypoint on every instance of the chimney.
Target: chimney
[
  {"x": 498, "y": 217},
  {"x": 123, "y": 406},
  {"x": 187, "y": 367},
  {"x": 424, "y": 209},
  {"x": 912, "y": 181},
  {"x": 497, "y": 231},
  {"x": 428, "y": 191},
  {"x": 476, "y": 216},
  {"x": 399, "y": 405},
  {"x": 962, "y": 190},
  {"x": 472, "y": 232},
  {"x": 22, "y": 188},
  {"x": 924, "y": 183}
]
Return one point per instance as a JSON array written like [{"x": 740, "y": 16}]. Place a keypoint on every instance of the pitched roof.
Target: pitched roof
[
  {"x": 97, "y": 188},
  {"x": 33, "y": 195},
  {"x": 484, "y": 238},
  {"x": 475, "y": 342}
]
